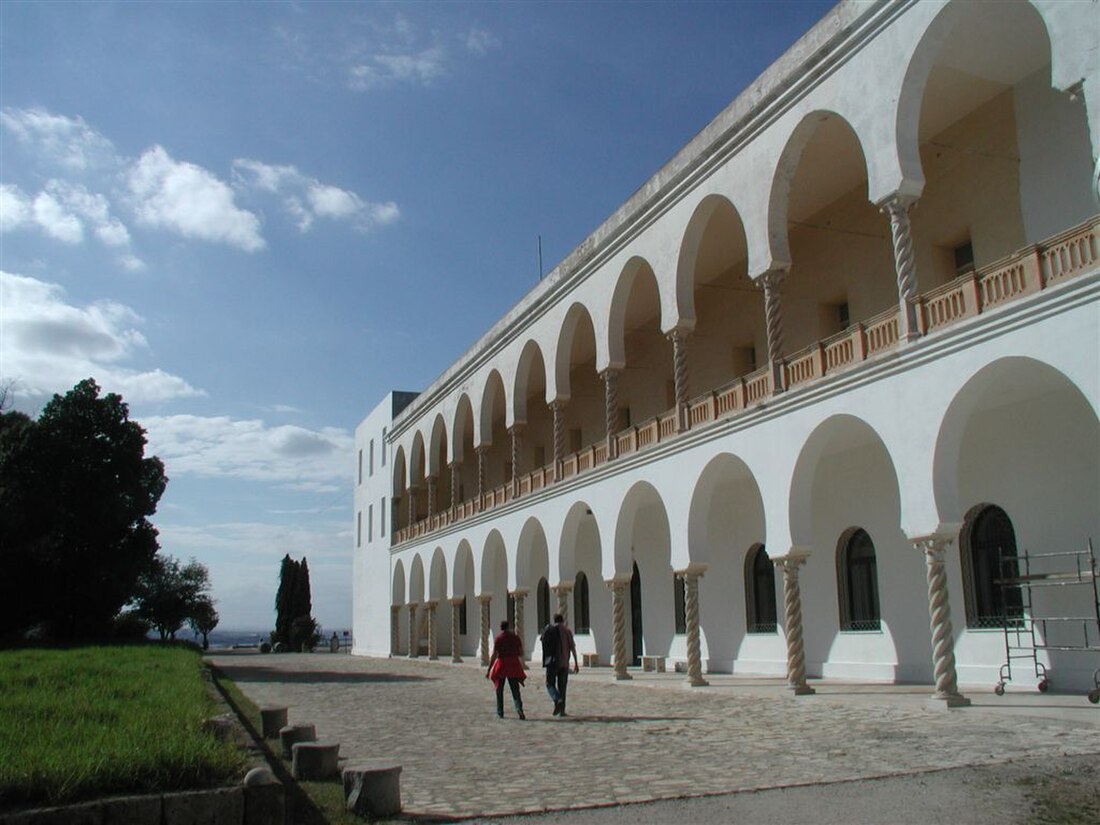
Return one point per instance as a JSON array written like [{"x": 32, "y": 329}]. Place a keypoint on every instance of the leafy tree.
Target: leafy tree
[
  {"x": 203, "y": 619},
  {"x": 76, "y": 492},
  {"x": 170, "y": 594}
]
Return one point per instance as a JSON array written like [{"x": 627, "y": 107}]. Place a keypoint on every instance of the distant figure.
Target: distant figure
[
  {"x": 557, "y": 646},
  {"x": 506, "y": 663},
  {"x": 334, "y": 643}
]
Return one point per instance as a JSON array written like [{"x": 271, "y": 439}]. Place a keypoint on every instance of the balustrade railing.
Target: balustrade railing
[{"x": 1028, "y": 271}]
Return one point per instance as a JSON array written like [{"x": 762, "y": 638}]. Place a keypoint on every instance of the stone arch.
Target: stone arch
[
  {"x": 437, "y": 579},
  {"x": 576, "y": 318},
  {"x": 417, "y": 461},
  {"x": 437, "y": 451},
  {"x": 493, "y": 396},
  {"x": 494, "y": 578},
  {"x": 530, "y": 374},
  {"x": 532, "y": 564},
  {"x": 643, "y": 538},
  {"x": 462, "y": 426},
  {"x": 634, "y": 269},
  {"x": 397, "y": 587},
  {"x": 710, "y": 208},
  {"x": 416, "y": 580},
  {"x": 580, "y": 550}
]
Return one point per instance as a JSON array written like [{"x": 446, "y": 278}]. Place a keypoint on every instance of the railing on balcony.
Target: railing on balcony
[{"x": 1028, "y": 271}]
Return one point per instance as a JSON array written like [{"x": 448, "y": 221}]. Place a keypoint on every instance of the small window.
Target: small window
[
  {"x": 760, "y": 591},
  {"x": 964, "y": 258},
  {"x": 842, "y": 315},
  {"x": 360, "y": 466},
  {"x": 857, "y": 582},
  {"x": 371, "y": 460},
  {"x": 988, "y": 550},
  {"x": 678, "y": 605},
  {"x": 462, "y": 617},
  {"x": 580, "y": 605},
  {"x": 370, "y": 523}
]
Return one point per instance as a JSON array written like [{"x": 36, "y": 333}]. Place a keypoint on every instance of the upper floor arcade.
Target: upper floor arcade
[{"x": 903, "y": 167}]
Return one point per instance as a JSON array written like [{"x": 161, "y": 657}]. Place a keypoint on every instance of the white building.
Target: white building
[{"x": 783, "y": 412}]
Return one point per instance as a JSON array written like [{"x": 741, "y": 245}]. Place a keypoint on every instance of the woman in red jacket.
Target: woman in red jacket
[{"x": 506, "y": 663}]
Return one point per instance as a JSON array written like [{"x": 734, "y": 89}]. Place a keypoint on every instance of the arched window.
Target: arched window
[
  {"x": 760, "y": 591},
  {"x": 543, "y": 600},
  {"x": 857, "y": 581},
  {"x": 679, "y": 609},
  {"x": 580, "y": 604},
  {"x": 462, "y": 617},
  {"x": 988, "y": 544}
]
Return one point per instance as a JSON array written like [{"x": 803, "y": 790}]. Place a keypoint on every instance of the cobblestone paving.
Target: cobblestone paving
[{"x": 648, "y": 739}]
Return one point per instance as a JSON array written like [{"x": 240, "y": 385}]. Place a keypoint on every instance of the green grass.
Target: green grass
[{"x": 88, "y": 722}]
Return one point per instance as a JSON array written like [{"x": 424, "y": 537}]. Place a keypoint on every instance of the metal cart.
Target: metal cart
[{"x": 1027, "y": 633}]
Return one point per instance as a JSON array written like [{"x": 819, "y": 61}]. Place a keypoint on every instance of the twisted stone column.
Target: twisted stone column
[
  {"x": 412, "y": 506},
  {"x": 679, "y": 337},
  {"x": 792, "y": 623},
  {"x": 516, "y": 431},
  {"x": 518, "y": 597},
  {"x": 395, "y": 629},
  {"x": 618, "y": 623},
  {"x": 456, "y": 623},
  {"x": 771, "y": 281},
  {"x": 432, "y": 645},
  {"x": 557, "y": 410},
  {"x": 611, "y": 407},
  {"x": 485, "y": 599},
  {"x": 691, "y": 609},
  {"x": 562, "y": 590},
  {"x": 431, "y": 495},
  {"x": 897, "y": 207},
  {"x": 414, "y": 640},
  {"x": 481, "y": 451},
  {"x": 947, "y": 693},
  {"x": 456, "y": 484}
]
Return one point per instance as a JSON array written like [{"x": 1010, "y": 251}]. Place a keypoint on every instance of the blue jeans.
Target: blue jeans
[{"x": 557, "y": 680}]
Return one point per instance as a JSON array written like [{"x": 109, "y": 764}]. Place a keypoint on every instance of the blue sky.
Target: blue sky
[{"x": 252, "y": 220}]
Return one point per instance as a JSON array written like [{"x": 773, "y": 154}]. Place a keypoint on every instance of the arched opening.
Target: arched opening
[
  {"x": 760, "y": 607},
  {"x": 585, "y": 418},
  {"x": 497, "y": 460},
  {"x": 532, "y": 566},
  {"x": 537, "y": 433},
  {"x": 400, "y": 516},
  {"x": 643, "y": 546},
  {"x": 398, "y": 638},
  {"x": 542, "y": 601},
  {"x": 463, "y": 437},
  {"x": 581, "y": 552},
  {"x": 857, "y": 581},
  {"x": 637, "y": 631},
  {"x": 582, "y": 621},
  {"x": 988, "y": 547},
  {"x": 418, "y": 466},
  {"x": 646, "y": 387},
  {"x": 439, "y": 467},
  {"x": 463, "y": 589}
]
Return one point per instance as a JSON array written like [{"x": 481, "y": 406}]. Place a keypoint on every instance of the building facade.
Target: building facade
[{"x": 789, "y": 408}]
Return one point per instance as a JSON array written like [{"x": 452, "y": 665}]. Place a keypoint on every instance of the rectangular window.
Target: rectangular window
[
  {"x": 360, "y": 466},
  {"x": 842, "y": 315},
  {"x": 370, "y": 463},
  {"x": 370, "y": 523},
  {"x": 359, "y": 529},
  {"x": 964, "y": 258},
  {"x": 382, "y": 517}
]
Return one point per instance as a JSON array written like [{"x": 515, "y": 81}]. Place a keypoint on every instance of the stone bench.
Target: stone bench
[
  {"x": 272, "y": 720},
  {"x": 292, "y": 734},
  {"x": 315, "y": 760},
  {"x": 590, "y": 659},
  {"x": 653, "y": 664},
  {"x": 373, "y": 789}
]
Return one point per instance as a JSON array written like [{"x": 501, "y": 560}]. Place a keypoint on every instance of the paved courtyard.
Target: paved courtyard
[{"x": 643, "y": 740}]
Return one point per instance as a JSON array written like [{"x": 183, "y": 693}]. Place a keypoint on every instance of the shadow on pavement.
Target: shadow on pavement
[
  {"x": 616, "y": 720},
  {"x": 271, "y": 674}
]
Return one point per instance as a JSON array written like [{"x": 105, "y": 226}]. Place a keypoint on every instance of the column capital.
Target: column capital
[
  {"x": 457, "y": 600},
  {"x": 794, "y": 559},
  {"x": 517, "y": 428},
  {"x": 680, "y": 332},
  {"x": 558, "y": 404},
  {"x": 482, "y": 449},
  {"x": 455, "y": 464},
  {"x": 485, "y": 598},
  {"x": 563, "y": 584},
  {"x": 896, "y": 202},
  {"x": 431, "y": 604},
  {"x": 618, "y": 580},
  {"x": 694, "y": 568},
  {"x": 772, "y": 279},
  {"x": 520, "y": 592},
  {"x": 611, "y": 372}
]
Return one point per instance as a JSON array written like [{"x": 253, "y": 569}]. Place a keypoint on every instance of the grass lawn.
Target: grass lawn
[{"x": 87, "y": 722}]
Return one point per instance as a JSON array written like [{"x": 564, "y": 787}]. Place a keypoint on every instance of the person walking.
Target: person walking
[
  {"x": 506, "y": 664},
  {"x": 557, "y": 647}
]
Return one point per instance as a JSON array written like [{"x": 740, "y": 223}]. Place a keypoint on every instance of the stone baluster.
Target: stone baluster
[
  {"x": 897, "y": 207},
  {"x": 618, "y": 624},
  {"x": 947, "y": 693},
  {"x": 414, "y": 636},
  {"x": 679, "y": 339},
  {"x": 431, "y": 495},
  {"x": 691, "y": 608},
  {"x": 456, "y": 623},
  {"x": 432, "y": 644},
  {"x": 611, "y": 407},
  {"x": 557, "y": 410},
  {"x": 792, "y": 622},
  {"x": 771, "y": 282},
  {"x": 485, "y": 599}
]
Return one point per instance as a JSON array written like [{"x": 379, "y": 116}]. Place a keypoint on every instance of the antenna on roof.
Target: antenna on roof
[{"x": 540, "y": 257}]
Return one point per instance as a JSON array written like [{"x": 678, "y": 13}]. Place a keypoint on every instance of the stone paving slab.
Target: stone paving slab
[{"x": 648, "y": 739}]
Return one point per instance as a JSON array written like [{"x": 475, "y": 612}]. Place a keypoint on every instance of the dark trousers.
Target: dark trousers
[
  {"x": 557, "y": 680},
  {"x": 517, "y": 700}
]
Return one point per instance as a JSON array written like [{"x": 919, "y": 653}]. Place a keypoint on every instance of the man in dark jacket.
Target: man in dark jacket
[{"x": 557, "y": 647}]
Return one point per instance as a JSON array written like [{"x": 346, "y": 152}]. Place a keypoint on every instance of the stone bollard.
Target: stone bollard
[
  {"x": 373, "y": 789},
  {"x": 264, "y": 798},
  {"x": 315, "y": 760},
  {"x": 292, "y": 734},
  {"x": 272, "y": 719}
]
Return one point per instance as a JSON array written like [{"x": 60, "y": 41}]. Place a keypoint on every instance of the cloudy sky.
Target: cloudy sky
[{"x": 252, "y": 220}]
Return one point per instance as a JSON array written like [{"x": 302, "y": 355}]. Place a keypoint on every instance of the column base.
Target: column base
[
  {"x": 624, "y": 677},
  {"x": 946, "y": 701},
  {"x": 700, "y": 682},
  {"x": 456, "y": 660},
  {"x": 802, "y": 690}
]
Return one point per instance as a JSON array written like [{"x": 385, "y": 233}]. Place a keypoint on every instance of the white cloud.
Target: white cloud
[
  {"x": 56, "y": 139},
  {"x": 190, "y": 200},
  {"x": 49, "y": 345},
  {"x": 305, "y": 198},
  {"x": 290, "y": 456},
  {"x": 479, "y": 41},
  {"x": 55, "y": 220},
  {"x": 15, "y": 208}
]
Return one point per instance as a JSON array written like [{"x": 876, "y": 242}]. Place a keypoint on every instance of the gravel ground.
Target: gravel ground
[{"x": 1064, "y": 790}]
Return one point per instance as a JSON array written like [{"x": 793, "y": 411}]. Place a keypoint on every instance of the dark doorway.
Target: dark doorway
[{"x": 636, "y": 616}]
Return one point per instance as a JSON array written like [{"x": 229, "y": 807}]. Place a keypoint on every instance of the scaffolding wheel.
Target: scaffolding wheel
[
  {"x": 999, "y": 689},
  {"x": 1044, "y": 685},
  {"x": 1094, "y": 696}
]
